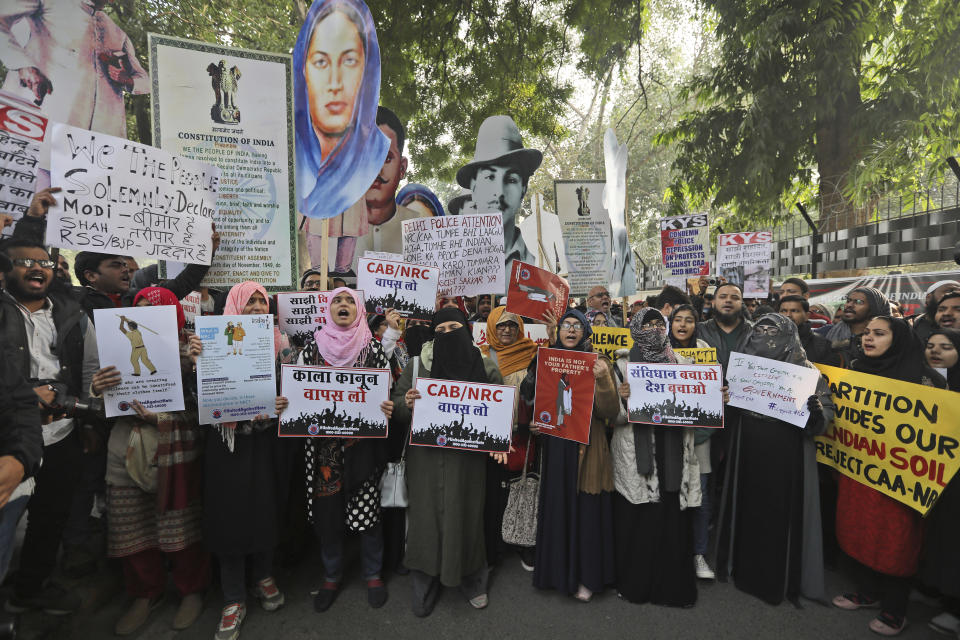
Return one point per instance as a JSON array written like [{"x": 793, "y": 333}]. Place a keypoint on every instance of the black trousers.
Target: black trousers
[
  {"x": 47, "y": 512},
  {"x": 893, "y": 592}
]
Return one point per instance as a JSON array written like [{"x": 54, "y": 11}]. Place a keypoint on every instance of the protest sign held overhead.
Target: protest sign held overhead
[
  {"x": 243, "y": 124},
  {"x": 22, "y": 120},
  {"x": 684, "y": 243},
  {"x": 532, "y": 291},
  {"x": 497, "y": 179},
  {"x": 462, "y": 415},
  {"x": 301, "y": 313},
  {"x": 608, "y": 340},
  {"x": 192, "y": 305},
  {"x": 408, "y": 289},
  {"x": 536, "y": 332},
  {"x": 623, "y": 269},
  {"x": 143, "y": 344},
  {"x": 585, "y": 224},
  {"x": 339, "y": 148},
  {"x": 235, "y": 372},
  {"x": 563, "y": 406},
  {"x": 688, "y": 395},
  {"x": 468, "y": 250},
  {"x": 127, "y": 198},
  {"x": 900, "y": 438},
  {"x": 771, "y": 388},
  {"x": 341, "y": 402},
  {"x": 383, "y": 255},
  {"x": 73, "y": 61},
  {"x": 744, "y": 260},
  {"x": 22, "y": 130},
  {"x": 698, "y": 355}
]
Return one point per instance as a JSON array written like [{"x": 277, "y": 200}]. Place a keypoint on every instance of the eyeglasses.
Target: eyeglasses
[
  {"x": 857, "y": 302},
  {"x": 654, "y": 324},
  {"x": 571, "y": 326},
  {"x": 29, "y": 262},
  {"x": 507, "y": 326},
  {"x": 766, "y": 329}
]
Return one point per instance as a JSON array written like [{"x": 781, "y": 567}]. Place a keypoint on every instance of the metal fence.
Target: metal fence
[{"x": 901, "y": 229}]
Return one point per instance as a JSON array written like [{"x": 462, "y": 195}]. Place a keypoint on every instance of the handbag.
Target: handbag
[
  {"x": 520, "y": 517},
  {"x": 393, "y": 484}
]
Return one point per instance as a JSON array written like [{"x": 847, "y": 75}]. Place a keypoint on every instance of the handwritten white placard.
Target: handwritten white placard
[
  {"x": 468, "y": 249},
  {"x": 122, "y": 197},
  {"x": 771, "y": 388}
]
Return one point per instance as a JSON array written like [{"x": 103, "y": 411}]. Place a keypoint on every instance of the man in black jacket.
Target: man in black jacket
[
  {"x": 818, "y": 348},
  {"x": 729, "y": 326},
  {"x": 21, "y": 446},
  {"x": 48, "y": 339}
]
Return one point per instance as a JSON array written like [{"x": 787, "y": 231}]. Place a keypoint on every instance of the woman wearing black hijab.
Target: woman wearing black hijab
[
  {"x": 574, "y": 552},
  {"x": 882, "y": 535},
  {"x": 769, "y": 536},
  {"x": 940, "y": 564},
  {"x": 657, "y": 477},
  {"x": 445, "y": 487}
]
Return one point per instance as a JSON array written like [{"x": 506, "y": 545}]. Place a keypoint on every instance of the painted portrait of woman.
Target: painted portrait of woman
[{"x": 340, "y": 150}]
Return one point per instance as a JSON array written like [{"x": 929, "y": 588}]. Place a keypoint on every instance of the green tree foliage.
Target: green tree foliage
[
  {"x": 838, "y": 98},
  {"x": 639, "y": 97}
]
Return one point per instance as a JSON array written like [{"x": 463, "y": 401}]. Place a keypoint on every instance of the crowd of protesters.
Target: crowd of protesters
[{"x": 645, "y": 510}]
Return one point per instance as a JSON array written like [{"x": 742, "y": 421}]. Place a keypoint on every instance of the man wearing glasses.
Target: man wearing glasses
[
  {"x": 50, "y": 341},
  {"x": 598, "y": 299}
]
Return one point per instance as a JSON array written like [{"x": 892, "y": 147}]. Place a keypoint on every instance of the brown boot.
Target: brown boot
[
  {"x": 136, "y": 616},
  {"x": 190, "y": 609}
]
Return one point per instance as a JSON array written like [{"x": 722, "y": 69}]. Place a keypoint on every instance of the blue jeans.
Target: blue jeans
[
  {"x": 9, "y": 517},
  {"x": 371, "y": 553},
  {"x": 701, "y": 519}
]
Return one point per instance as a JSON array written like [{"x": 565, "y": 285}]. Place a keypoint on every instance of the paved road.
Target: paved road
[{"x": 516, "y": 610}]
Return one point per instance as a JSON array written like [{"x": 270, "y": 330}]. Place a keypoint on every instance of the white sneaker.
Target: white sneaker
[
  {"x": 231, "y": 619},
  {"x": 704, "y": 572},
  {"x": 945, "y": 623}
]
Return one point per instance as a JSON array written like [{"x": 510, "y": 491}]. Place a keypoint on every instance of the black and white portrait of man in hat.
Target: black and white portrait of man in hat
[{"x": 497, "y": 179}]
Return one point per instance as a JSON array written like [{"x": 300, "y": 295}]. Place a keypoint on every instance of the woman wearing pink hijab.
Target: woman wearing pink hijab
[
  {"x": 343, "y": 474},
  {"x": 243, "y": 486}
]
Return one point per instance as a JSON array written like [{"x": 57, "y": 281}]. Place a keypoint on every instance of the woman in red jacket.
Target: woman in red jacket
[{"x": 881, "y": 534}]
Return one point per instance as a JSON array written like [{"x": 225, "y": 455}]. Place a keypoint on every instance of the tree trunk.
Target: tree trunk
[{"x": 838, "y": 99}]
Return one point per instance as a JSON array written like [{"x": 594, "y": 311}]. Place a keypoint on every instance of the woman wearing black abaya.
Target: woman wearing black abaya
[
  {"x": 574, "y": 552},
  {"x": 445, "y": 487},
  {"x": 940, "y": 564},
  {"x": 657, "y": 477},
  {"x": 770, "y": 539}
]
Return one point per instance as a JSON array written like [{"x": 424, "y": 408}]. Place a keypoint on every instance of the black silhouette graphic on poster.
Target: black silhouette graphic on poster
[
  {"x": 675, "y": 395},
  {"x": 462, "y": 415},
  {"x": 329, "y": 421}
]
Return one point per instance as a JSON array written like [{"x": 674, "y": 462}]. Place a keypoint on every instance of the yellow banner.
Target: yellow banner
[
  {"x": 706, "y": 355},
  {"x": 896, "y": 437},
  {"x": 606, "y": 340}
]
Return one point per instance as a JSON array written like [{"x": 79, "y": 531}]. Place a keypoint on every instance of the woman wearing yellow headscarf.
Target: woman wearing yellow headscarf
[{"x": 508, "y": 346}]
